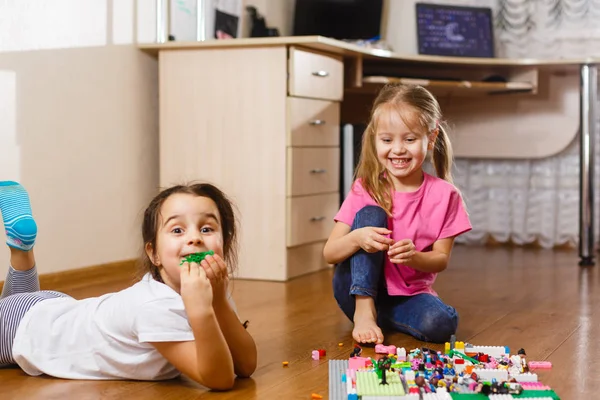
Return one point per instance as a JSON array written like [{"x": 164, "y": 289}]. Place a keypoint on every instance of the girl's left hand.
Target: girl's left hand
[
  {"x": 216, "y": 271},
  {"x": 402, "y": 252}
]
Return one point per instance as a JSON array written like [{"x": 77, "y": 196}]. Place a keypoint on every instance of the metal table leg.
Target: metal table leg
[{"x": 587, "y": 117}]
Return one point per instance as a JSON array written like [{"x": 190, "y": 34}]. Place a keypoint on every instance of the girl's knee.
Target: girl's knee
[
  {"x": 438, "y": 326},
  {"x": 371, "y": 216}
]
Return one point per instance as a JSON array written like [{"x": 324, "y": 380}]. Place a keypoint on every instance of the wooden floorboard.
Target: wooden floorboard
[{"x": 539, "y": 300}]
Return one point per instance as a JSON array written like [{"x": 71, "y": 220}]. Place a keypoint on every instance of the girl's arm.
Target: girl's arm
[
  {"x": 207, "y": 359},
  {"x": 340, "y": 245},
  {"x": 436, "y": 260},
  {"x": 240, "y": 342},
  {"x": 343, "y": 242},
  {"x": 241, "y": 345}
]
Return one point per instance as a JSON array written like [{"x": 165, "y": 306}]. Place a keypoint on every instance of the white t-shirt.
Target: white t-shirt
[{"x": 103, "y": 337}]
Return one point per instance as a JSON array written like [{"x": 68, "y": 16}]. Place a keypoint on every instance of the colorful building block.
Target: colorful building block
[
  {"x": 337, "y": 389},
  {"x": 494, "y": 351},
  {"x": 540, "y": 365},
  {"x": 526, "y": 377},
  {"x": 368, "y": 384},
  {"x": 357, "y": 363},
  {"x": 381, "y": 349}
]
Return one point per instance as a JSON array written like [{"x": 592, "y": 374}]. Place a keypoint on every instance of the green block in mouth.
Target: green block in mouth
[{"x": 196, "y": 257}]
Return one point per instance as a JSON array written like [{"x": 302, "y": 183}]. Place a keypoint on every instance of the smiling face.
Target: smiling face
[
  {"x": 401, "y": 149},
  {"x": 187, "y": 224}
]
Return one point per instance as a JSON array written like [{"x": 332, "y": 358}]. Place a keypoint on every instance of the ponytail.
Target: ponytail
[{"x": 442, "y": 155}]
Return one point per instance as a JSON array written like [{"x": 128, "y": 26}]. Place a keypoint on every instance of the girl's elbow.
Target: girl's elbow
[
  {"x": 222, "y": 383},
  {"x": 216, "y": 377},
  {"x": 244, "y": 373},
  {"x": 328, "y": 256},
  {"x": 246, "y": 370}
]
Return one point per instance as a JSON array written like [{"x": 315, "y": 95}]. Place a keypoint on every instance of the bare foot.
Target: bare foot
[{"x": 365, "y": 325}]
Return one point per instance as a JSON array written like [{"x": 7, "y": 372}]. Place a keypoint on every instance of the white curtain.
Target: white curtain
[{"x": 533, "y": 200}]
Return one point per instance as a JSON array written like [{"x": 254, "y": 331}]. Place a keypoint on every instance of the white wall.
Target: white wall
[
  {"x": 79, "y": 121},
  {"x": 78, "y": 126}
]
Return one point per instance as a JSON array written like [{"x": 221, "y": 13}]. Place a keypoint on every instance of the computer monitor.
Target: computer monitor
[
  {"x": 446, "y": 30},
  {"x": 338, "y": 19}
]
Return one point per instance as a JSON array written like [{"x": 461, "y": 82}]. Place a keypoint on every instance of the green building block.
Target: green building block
[
  {"x": 537, "y": 393},
  {"x": 196, "y": 257},
  {"x": 526, "y": 394},
  {"x": 453, "y": 353},
  {"x": 368, "y": 384}
]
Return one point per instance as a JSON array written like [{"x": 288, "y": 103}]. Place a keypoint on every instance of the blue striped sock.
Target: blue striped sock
[{"x": 19, "y": 224}]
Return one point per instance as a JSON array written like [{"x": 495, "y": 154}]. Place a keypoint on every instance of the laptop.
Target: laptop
[{"x": 457, "y": 31}]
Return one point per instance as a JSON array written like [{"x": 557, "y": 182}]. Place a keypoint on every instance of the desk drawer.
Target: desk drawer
[
  {"x": 310, "y": 218},
  {"x": 313, "y": 122},
  {"x": 313, "y": 170},
  {"x": 305, "y": 259},
  {"x": 315, "y": 75}
]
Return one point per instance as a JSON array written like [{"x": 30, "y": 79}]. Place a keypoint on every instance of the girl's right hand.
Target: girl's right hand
[
  {"x": 196, "y": 290},
  {"x": 372, "y": 239}
]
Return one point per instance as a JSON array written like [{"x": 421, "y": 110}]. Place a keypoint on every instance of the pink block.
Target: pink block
[
  {"x": 315, "y": 354},
  {"x": 534, "y": 386},
  {"x": 540, "y": 365},
  {"x": 381, "y": 349},
  {"x": 357, "y": 362}
]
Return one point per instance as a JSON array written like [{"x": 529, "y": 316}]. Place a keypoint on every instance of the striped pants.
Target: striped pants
[{"x": 21, "y": 291}]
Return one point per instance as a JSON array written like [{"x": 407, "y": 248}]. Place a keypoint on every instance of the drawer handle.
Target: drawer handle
[
  {"x": 317, "y": 219},
  {"x": 318, "y": 171},
  {"x": 317, "y": 122},
  {"x": 321, "y": 74}
]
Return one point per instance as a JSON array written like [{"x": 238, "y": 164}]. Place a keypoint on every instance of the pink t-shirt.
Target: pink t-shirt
[{"x": 434, "y": 211}]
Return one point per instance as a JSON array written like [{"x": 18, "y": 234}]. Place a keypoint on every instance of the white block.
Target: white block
[
  {"x": 489, "y": 374},
  {"x": 526, "y": 377},
  {"x": 494, "y": 351}
]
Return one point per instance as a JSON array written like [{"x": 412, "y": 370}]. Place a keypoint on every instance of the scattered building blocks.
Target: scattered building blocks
[{"x": 462, "y": 372}]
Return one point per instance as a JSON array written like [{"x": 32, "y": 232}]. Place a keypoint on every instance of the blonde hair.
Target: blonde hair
[{"x": 419, "y": 110}]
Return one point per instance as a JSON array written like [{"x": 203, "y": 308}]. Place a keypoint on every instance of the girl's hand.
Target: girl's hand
[
  {"x": 196, "y": 290},
  {"x": 372, "y": 239},
  {"x": 402, "y": 252},
  {"x": 217, "y": 274}
]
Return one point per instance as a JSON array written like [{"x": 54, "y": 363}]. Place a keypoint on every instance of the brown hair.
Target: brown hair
[
  {"x": 419, "y": 110},
  {"x": 226, "y": 213}
]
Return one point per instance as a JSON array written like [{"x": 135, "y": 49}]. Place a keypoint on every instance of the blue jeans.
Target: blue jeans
[{"x": 423, "y": 316}]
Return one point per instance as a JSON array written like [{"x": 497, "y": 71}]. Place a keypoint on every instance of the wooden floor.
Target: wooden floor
[{"x": 536, "y": 299}]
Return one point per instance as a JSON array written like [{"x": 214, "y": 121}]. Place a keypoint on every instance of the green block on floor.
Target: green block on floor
[
  {"x": 537, "y": 393},
  {"x": 526, "y": 394},
  {"x": 368, "y": 384}
]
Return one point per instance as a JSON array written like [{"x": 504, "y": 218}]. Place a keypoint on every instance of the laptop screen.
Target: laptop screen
[{"x": 445, "y": 30}]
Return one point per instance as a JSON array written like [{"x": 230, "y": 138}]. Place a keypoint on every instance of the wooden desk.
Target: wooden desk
[{"x": 260, "y": 118}]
